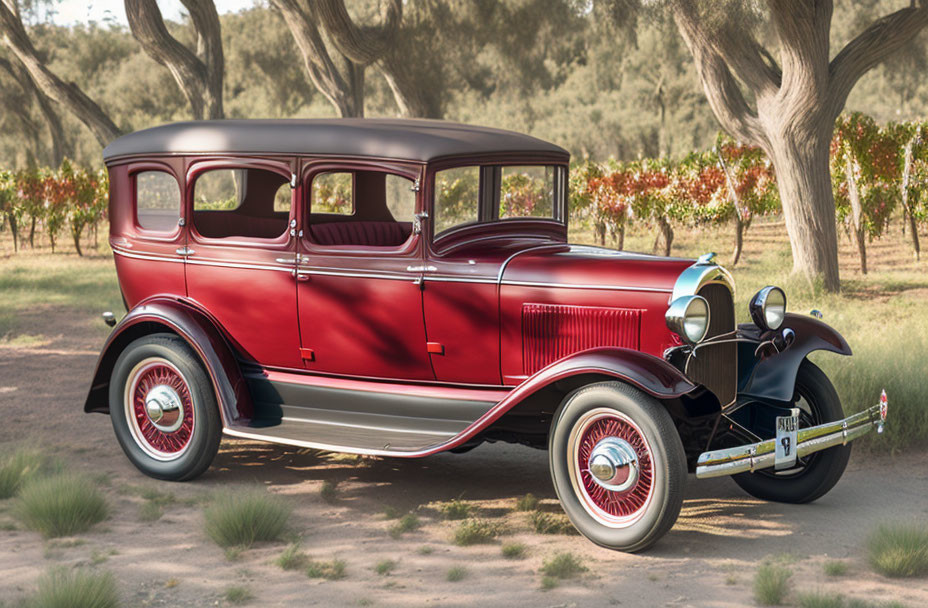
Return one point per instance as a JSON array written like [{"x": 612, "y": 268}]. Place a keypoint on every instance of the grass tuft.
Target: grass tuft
[
  {"x": 513, "y": 550},
  {"x": 292, "y": 558},
  {"x": 238, "y": 595},
  {"x": 563, "y": 566},
  {"x": 552, "y": 523},
  {"x": 899, "y": 550},
  {"x": 61, "y": 505},
  {"x": 61, "y": 588},
  {"x": 820, "y": 599},
  {"x": 332, "y": 570},
  {"x": 21, "y": 466},
  {"x": 242, "y": 517},
  {"x": 391, "y": 512},
  {"x": 476, "y": 531},
  {"x": 548, "y": 583},
  {"x": 328, "y": 491},
  {"x": 425, "y": 550},
  {"x": 150, "y": 511},
  {"x": 771, "y": 584},
  {"x": 835, "y": 568},
  {"x": 455, "y": 574},
  {"x": 385, "y": 567},
  {"x": 456, "y": 509},
  {"x": 529, "y": 502},
  {"x": 406, "y": 523}
]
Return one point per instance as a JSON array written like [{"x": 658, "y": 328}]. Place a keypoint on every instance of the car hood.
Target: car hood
[{"x": 592, "y": 267}]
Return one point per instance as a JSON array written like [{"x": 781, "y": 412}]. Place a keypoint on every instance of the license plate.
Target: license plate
[{"x": 787, "y": 434}]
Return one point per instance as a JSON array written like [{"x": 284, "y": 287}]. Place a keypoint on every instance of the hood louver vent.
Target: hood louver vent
[{"x": 551, "y": 331}]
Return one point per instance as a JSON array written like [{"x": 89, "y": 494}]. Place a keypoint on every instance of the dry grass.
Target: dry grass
[
  {"x": 835, "y": 568},
  {"x": 476, "y": 531},
  {"x": 61, "y": 588},
  {"x": 529, "y": 502},
  {"x": 899, "y": 550},
  {"x": 406, "y": 523},
  {"x": 513, "y": 550},
  {"x": 61, "y": 505},
  {"x": 563, "y": 566},
  {"x": 456, "y": 573},
  {"x": 292, "y": 558},
  {"x": 332, "y": 570},
  {"x": 771, "y": 584},
  {"x": 22, "y": 465},
  {"x": 552, "y": 523},
  {"x": 238, "y": 595},
  {"x": 456, "y": 509},
  {"x": 242, "y": 517}
]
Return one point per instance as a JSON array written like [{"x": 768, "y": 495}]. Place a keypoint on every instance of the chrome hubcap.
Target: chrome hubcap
[
  {"x": 614, "y": 464},
  {"x": 163, "y": 408}
]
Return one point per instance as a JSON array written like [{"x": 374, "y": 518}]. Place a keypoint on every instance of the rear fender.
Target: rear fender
[
  {"x": 162, "y": 314},
  {"x": 774, "y": 378}
]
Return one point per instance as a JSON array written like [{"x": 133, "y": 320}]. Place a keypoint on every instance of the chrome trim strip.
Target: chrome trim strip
[
  {"x": 235, "y": 432},
  {"x": 460, "y": 279},
  {"x": 761, "y": 455},
  {"x": 582, "y": 286},
  {"x": 201, "y": 262},
  {"x": 368, "y": 427},
  {"x": 359, "y": 275},
  {"x": 146, "y": 256}
]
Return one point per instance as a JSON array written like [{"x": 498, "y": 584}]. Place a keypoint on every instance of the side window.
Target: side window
[
  {"x": 360, "y": 209},
  {"x": 457, "y": 197},
  {"x": 333, "y": 193},
  {"x": 401, "y": 199},
  {"x": 251, "y": 203},
  {"x": 157, "y": 198},
  {"x": 526, "y": 192}
]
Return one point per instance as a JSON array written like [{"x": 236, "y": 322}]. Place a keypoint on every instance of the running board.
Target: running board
[{"x": 763, "y": 455}]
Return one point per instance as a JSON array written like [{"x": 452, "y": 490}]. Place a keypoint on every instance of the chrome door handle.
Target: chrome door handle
[
  {"x": 184, "y": 251},
  {"x": 300, "y": 276},
  {"x": 421, "y": 269}
]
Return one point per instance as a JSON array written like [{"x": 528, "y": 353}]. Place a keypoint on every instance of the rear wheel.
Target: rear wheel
[
  {"x": 618, "y": 465},
  {"x": 163, "y": 409},
  {"x": 816, "y": 474}
]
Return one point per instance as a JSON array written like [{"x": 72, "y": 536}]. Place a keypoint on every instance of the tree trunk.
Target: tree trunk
[
  {"x": 857, "y": 213},
  {"x": 907, "y": 214},
  {"x": 601, "y": 233},
  {"x": 76, "y": 235},
  {"x": 199, "y": 75},
  {"x": 664, "y": 236},
  {"x": 739, "y": 240},
  {"x": 32, "y": 233},
  {"x": 14, "y": 230},
  {"x": 621, "y": 244},
  {"x": 916, "y": 246},
  {"x": 804, "y": 181}
]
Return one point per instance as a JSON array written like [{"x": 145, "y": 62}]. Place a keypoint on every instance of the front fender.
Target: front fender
[
  {"x": 774, "y": 378},
  {"x": 163, "y": 314}
]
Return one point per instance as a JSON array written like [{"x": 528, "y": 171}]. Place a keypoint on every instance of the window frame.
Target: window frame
[
  {"x": 282, "y": 167},
  {"x": 487, "y": 212},
  {"x": 148, "y": 233},
  {"x": 314, "y": 167}
]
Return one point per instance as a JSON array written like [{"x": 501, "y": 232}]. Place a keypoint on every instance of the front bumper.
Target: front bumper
[{"x": 756, "y": 456}]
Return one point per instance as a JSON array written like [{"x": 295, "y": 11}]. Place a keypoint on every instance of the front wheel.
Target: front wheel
[
  {"x": 816, "y": 474},
  {"x": 163, "y": 409},
  {"x": 618, "y": 465}
]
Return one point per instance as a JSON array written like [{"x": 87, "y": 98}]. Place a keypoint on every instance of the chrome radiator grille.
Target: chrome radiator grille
[{"x": 716, "y": 366}]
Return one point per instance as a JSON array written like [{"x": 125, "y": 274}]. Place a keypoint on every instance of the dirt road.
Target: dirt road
[{"x": 708, "y": 559}]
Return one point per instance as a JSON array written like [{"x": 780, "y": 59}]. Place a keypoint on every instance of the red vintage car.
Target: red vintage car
[{"x": 402, "y": 288}]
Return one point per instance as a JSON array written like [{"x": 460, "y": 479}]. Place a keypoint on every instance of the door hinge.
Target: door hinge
[
  {"x": 415, "y": 185},
  {"x": 292, "y": 181},
  {"x": 184, "y": 251}
]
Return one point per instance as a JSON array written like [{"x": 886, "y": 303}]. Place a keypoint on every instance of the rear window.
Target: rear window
[{"x": 157, "y": 199}]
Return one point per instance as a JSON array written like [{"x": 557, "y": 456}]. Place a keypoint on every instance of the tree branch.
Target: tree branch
[
  {"x": 725, "y": 98},
  {"x": 15, "y": 38},
  {"x": 363, "y": 45},
  {"x": 319, "y": 65},
  {"x": 881, "y": 39},
  {"x": 200, "y": 81},
  {"x": 55, "y": 128}
]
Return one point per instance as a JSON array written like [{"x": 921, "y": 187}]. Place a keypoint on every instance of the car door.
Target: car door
[
  {"x": 359, "y": 273},
  {"x": 241, "y": 255}
]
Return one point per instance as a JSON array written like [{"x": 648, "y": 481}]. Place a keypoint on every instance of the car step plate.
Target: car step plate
[{"x": 787, "y": 435}]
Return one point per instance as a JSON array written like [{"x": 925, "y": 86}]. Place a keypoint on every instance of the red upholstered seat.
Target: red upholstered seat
[
  {"x": 221, "y": 224},
  {"x": 366, "y": 234}
]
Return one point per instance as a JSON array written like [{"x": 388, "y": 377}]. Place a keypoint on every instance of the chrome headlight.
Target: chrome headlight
[
  {"x": 688, "y": 317},
  {"x": 768, "y": 308}
]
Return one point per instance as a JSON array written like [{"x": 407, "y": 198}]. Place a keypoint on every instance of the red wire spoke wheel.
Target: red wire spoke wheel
[
  {"x": 159, "y": 409},
  {"x": 611, "y": 467}
]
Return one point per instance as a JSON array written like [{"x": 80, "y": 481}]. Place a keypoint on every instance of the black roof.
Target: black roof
[{"x": 417, "y": 140}]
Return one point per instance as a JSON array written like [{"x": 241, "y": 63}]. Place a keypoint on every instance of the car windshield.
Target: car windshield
[{"x": 487, "y": 193}]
